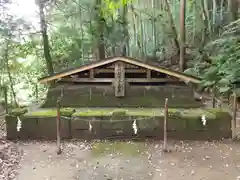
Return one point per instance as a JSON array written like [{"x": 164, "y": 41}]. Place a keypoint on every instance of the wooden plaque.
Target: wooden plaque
[{"x": 119, "y": 79}]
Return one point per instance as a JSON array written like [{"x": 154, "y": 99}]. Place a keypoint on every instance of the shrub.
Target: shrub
[
  {"x": 67, "y": 111},
  {"x": 18, "y": 111}
]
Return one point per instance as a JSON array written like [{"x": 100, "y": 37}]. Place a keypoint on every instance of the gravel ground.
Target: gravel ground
[
  {"x": 188, "y": 160},
  {"x": 9, "y": 159}
]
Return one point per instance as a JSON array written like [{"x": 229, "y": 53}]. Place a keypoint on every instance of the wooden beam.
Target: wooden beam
[
  {"x": 94, "y": 80},
  {"x": 91, "y": 73},
  {"x": 149, "y": 80},
  {"x": 112, "y": 80},
  {"x": 127, "y": 66},
  {"x": 126, "y": 70},
  {"x": 119, "y": 79}
]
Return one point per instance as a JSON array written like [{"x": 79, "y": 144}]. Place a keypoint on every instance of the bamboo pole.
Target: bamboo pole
[
  {"x": 165, "y": 148},
  {"x": 59, "y": 151},
  {"x": 234, "y": 116}
]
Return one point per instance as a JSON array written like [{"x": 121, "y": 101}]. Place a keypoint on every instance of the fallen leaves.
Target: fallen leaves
[{"x": 9, "y": 159}]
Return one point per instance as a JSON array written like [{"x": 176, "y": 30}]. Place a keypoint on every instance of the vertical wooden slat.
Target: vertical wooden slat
[
  {"x": 91, "y": 73},
  {"x": 148, "y": 74},
  {"x": 119, "y": 79}
]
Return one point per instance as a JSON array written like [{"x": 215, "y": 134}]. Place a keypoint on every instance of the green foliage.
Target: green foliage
[{"x": 18, "y": 111}]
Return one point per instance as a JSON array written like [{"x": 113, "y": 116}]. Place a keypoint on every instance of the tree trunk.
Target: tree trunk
[
  {"x": 233, "y": 10},
  {"x": 45, "y": 40},
  {"x": 154, "y": 30},
  {"x": 100, "y": 29},
  {"x": 142, "y": 37},
  {"x": 174, "y": 30},
  {"x": 6, "y": 58},
  {"x": 134, "y": 20},
  {"x": 205, "y": 33},
  {"x": 182, "y": 62},
  {"x": 125, "y": 30}
]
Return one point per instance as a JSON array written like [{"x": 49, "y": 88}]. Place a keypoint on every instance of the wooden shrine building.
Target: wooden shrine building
[{"x": 120, "y": 82}]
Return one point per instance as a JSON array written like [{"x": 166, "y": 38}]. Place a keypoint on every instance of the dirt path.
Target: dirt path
[{"x": 188, "y": 161}]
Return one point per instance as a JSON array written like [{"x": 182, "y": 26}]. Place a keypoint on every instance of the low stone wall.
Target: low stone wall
[
  {"x": 106, "y": 127},
  {"x": 136, "y": 96}
]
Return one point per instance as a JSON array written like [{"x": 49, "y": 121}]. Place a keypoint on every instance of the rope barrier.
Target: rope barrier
[
  {"x": 96, "y": 120},
  {"x": 111, "y": 119}
]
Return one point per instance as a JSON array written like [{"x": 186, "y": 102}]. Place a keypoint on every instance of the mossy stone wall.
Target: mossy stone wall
[
  {"x": 180, "y": 126},
  {"x": 136, "y": 96},
  {"x": 36, "y": 128}
]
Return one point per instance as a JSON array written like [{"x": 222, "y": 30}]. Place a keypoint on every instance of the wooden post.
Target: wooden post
[
  {"x": 5, "y": 98},
  {"x": 234, "y": 116},
  {"x": 165, "y": 149},
  {"x": 119, "y": 79},
  {"x": 58, "y": 128}
]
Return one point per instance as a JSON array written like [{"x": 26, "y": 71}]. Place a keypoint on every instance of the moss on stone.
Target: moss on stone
[
  {"x": 102, "y": 96},
  {"x": 67, "y": 111},
  {"x": 187, "y": 114},
  {"x": 181, "y": 121},
  {"x": 119, "y": 113},
  {"x": 196, "y": 113},
  {"x": 129, "y": 112},
  {"x": 41, "y": 113},
  {"x": 125, "y": 148},
  {"x": 18, "y": 111},
  {"x": 93, "y": 113},
  {"x": 52, "y": 112}
]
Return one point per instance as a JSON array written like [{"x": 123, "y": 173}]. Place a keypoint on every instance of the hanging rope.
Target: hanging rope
[
  {"x": 204, "y": 120},
  {"x": 19, "y": 124},
  {"x": 90, "y": 126},
  {"x": 135, "y": 128},
  {"x": 112, "y": 121}
]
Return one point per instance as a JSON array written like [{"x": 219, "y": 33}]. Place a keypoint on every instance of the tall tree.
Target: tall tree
[
  {"x": 173, "y": 27},
  {"x": 46, "y": 45},
  {"x": 100, "y": 28},
  {"x": 125, "y": 30},
  {"x": 233, "y": 10},
  {"x": 182, "y": 62}
]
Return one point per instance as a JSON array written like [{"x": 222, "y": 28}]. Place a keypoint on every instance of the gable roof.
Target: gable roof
[{"x": 129, "y": 60}]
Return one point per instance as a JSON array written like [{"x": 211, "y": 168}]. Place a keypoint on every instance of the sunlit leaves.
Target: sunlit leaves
[{"x": 111, "y": 6}]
